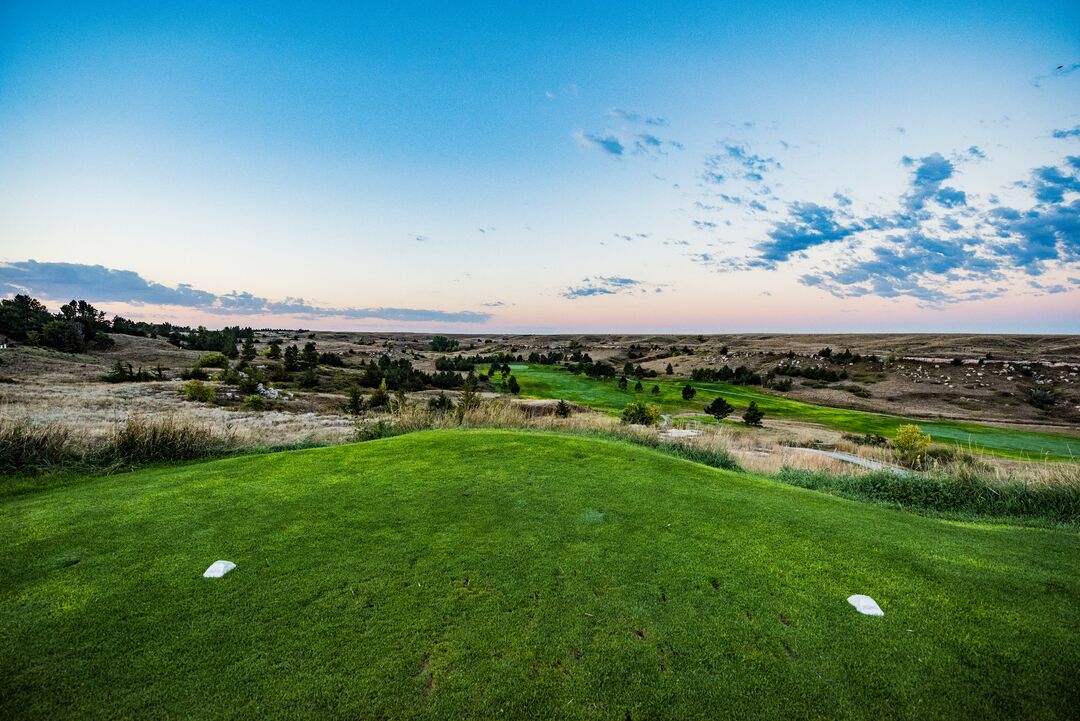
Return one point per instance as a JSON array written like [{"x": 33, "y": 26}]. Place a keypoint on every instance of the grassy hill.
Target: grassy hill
[
  {"x": 454, "y": 574},
  {"x": 540, "y": 381}
]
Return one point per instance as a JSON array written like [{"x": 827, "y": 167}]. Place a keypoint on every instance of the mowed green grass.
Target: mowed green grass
[
  {"x": 553, "y": 382},
  {"x": 481, "y": 574}
]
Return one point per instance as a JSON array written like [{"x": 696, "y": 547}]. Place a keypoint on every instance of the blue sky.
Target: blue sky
[{"x": 623, "y": 167}]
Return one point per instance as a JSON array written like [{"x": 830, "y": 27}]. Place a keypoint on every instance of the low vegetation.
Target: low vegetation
[{"x": 487, "y": 573}]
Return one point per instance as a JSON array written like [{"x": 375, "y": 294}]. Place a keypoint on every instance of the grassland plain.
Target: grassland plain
[
  {"x": 453, "y": 574},
  {"x": 539, "y": 381}
]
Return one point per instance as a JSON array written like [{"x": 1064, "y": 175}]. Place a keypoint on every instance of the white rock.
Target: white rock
[
  {"x": 865, "y": 605},
  {"x": 220, "y": 568}
]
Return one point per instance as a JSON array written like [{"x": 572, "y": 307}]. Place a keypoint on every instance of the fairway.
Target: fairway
[
  {"x": 454, "y": 574},
  {"x": 539, "y": 381}
]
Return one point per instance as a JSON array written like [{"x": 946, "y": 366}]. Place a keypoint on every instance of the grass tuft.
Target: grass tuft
[{"x": 963, "y": 495}]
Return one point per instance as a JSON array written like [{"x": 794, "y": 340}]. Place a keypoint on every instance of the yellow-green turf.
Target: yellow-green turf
[{"x": 539, "y": 381}]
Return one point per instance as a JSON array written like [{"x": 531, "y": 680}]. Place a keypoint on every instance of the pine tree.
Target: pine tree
[
  {"x": 669, "y": 370},
  {"x": 688, "y": 392},
  {"x": 622, "y": 383},
  {"x": 512, "y": 384},
  {"x": 310, "y": 355},
  {"x": 638, "y": 387},
  {"x": 292, "y": 358},
  {"x": 753, "y": 415},
  {"x": 719, "y": 408},
  {"x": 247, "y": 352},
  {"x": 656, "y": 390}
]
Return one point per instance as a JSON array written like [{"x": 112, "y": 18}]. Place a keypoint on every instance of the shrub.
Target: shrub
[
  {"x": 442, "y": 344},
  {"x": 212, "y": 360},
  {"x": 356, "y": 401},
  {"x": 641, "y": 413},
  {"x": 688, "y": 392},
  {"x": 910, "y": 444},
  {"x": 753, "y": 415},
  {"x": 255, "y": 402},
  {"x": 309, "y": 379},
  {"x": 1042, "y": 399},
  {"x": 380, "y": 398},
  {"x": 374, "y": 431},
  {"x": 562, "y": 409},
  {"x": 199, "y": 391},
  {"x": 440, "y": 403},
  {"x": 868, "y": 439},
  {"x": 194, "y": 374}
]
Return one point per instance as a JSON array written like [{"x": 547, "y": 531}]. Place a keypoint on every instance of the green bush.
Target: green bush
[
  {"x": 212, "y": 360},
  {"x": 910, "y": 445},
  {"x": 641, "y": 413},
  {"x": 255, "y": 402},
  {"x": 199, "y": 391},
  {"x": 374, "y": 431}
]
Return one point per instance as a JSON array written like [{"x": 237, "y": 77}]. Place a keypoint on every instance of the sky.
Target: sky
[{"x": 546, "y": 167}]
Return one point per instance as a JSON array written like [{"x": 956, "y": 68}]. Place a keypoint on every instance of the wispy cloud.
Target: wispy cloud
[
  {"x": 608, "y": 144},
  {"x": 633, "y": 117},
  {"x": 98, "y": 284},
  {"x": 605, "y": 285},
  {"x": 1073, "y": 132},
  {"x": 629, "y": 138}
]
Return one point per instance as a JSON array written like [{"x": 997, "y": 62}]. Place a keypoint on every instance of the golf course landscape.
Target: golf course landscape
[
  {"x": 540, "y": 381},
  {"x": 517, "y": 574}
]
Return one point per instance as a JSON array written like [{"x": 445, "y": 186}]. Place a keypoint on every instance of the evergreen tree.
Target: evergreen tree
[
  {"x": 247, "y": 352},
  {"x": 309, "y": 357},
  {"x": 656, "y": 390},
  {"x": 292, "y": 358},
  {"x": 669, "y": 370},
  {"x": 688, "y": 392},
  {"x": 638, "y": 387},
  {"x": 512, "y": 384},
  {"x": 753, "y": 415},
  {"x": 719, "y": 409},
  {"x": 562, "y": 409},
  {"x": 622, "y": 383}
]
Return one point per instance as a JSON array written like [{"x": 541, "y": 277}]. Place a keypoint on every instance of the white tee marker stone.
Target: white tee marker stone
[
  {"x": 218, "y": 569},
  {"x": 865, "y": 605}
]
